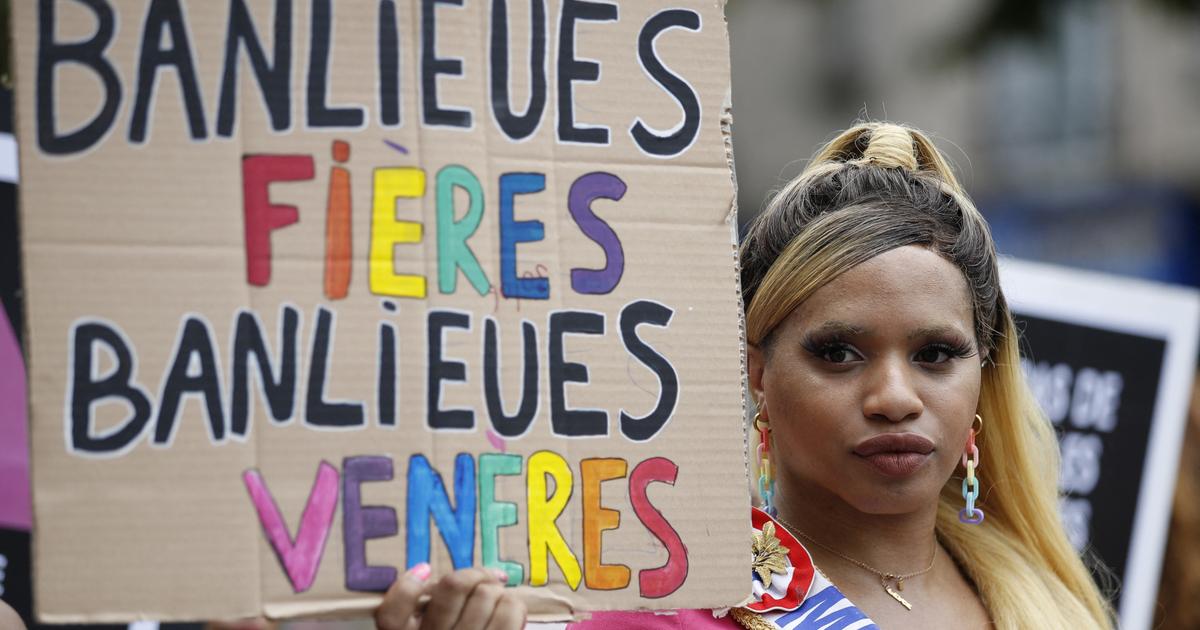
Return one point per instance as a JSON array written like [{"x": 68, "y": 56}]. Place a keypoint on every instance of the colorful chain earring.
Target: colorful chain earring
[
  {"x": 971, "y": 515},
  {"x": 766, "y": 476}
]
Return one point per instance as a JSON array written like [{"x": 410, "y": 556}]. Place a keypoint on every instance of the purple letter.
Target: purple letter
[
  {"x": 586, "y": 189},
  {"x": 360, "y": 523}
]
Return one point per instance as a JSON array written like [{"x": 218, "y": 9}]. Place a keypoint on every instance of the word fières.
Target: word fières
[
  {"x": 391, "y": 184},
  {"x": 193, "y": 371},
  {"x": 550, "y": 485},
  {"x": 165, "y": 49}
]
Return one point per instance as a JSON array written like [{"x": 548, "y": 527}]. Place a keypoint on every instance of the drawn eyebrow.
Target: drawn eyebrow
[
  {"x": 934, "y": 331},
  {"x": 840, "y": 328},
  {"x": 845, "y": 329}
]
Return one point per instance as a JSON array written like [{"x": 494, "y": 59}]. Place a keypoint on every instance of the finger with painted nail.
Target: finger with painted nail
[
  {"x": 401, "y": 605},
  {"x": 470, "y": 598}
]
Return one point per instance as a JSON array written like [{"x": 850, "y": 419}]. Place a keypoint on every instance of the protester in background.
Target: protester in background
[{"x": 882, "y": 359}]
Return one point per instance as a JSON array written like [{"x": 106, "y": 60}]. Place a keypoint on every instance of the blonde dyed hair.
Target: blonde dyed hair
[{"x": 877, "y": 187}]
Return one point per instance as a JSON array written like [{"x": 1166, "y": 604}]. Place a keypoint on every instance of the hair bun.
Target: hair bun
[
  {"x": 890, "y": 146},
  {"x": 884, "y": 145}
]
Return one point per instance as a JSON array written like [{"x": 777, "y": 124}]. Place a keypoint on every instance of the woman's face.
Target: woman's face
[{"x": 871, "y": 385}]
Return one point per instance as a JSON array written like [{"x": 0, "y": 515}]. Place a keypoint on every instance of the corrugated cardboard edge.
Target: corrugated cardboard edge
[
  {"x": 731, "y": 219},
  {"x": 324, "y": 609},
  {"x": 556, "y": 608}
]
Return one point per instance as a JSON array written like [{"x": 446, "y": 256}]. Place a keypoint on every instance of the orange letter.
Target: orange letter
[
  {"x": 596, "y": 519},
  {"x": 337, "y": 226}
]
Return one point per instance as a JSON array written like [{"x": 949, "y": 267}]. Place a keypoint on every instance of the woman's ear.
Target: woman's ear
[{"x": 755, "y": 364}]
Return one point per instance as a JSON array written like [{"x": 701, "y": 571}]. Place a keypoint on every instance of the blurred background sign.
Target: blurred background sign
[{"x": 1111, "y": 361}]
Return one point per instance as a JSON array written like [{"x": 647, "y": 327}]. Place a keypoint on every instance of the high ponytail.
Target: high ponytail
[
  {"x": 873, "y": 188},
  {"x": 877, "y": 187}
]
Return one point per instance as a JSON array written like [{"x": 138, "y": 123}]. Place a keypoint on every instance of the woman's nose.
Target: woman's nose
[{"x": 891, "y": 393}]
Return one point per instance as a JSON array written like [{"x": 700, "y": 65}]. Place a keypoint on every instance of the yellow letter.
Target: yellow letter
[
  {"x": 392, "y": 184},
  {"x": 544, "y": 537}
]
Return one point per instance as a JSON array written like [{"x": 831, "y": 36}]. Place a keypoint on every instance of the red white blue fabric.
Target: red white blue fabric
[{"x": 802, "y": 598}]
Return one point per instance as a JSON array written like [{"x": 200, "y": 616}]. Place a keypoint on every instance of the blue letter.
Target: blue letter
[
  {"x": 513, "y": 232},
  {"x": 427, "y": 497}
]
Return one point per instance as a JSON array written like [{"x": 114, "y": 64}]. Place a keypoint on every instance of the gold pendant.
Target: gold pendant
[{"x": 895, "y": 595}]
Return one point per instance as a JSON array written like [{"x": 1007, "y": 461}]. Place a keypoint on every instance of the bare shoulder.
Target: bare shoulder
[{"x": 9, "y": 619}]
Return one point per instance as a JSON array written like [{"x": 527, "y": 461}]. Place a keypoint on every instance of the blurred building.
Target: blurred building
[{"x": 1075, "y": 124}]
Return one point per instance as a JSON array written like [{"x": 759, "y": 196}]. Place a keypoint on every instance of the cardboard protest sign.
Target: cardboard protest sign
[
  {"x": 318, "y": 291},
  {"x": 1111, "y": 361}
]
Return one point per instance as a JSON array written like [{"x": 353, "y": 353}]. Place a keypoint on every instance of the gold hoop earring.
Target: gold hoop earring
[{"x": 760, "y": 423}]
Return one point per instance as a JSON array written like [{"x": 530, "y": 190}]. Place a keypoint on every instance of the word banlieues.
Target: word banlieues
[
  {"x": 193, "y": 372},
  {"x": 165, "y": 49},
  {"x": 550, "y": 485}
]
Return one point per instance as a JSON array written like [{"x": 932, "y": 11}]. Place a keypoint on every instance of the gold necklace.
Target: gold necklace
[{"x": 887, "y": 580}]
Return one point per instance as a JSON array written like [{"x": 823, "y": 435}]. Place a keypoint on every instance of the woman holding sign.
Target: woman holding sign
[
  {"x": 903, "y": 454},
  {"x": 900, "y": 451}
]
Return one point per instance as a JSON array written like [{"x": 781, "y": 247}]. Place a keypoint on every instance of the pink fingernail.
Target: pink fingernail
[
  {"x": 420, "y": 572},
  {"x": 500, "y": 574}
]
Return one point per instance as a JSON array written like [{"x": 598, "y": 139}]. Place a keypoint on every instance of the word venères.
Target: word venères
[
  {"x": 549, "y": 483},
  {"x": 165, "y": 50}
]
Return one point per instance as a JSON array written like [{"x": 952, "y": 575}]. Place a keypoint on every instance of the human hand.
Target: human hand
[{"x": 468, "y": 599}]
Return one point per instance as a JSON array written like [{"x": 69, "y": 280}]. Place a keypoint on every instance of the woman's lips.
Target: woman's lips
[
  {"x": 897, "y": 464},
  {"x": 895, "y": 454}
]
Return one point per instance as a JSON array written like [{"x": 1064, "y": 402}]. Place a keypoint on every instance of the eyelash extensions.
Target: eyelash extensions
[
  {"x": 959, "y": 349},
  {"x": 821, "y": 346}
]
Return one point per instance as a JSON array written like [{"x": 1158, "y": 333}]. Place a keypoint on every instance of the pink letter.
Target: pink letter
[{"x": 302, "y": 557}]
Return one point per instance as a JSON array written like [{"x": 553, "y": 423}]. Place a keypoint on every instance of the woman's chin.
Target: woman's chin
[{"x": 895, "y": 501}]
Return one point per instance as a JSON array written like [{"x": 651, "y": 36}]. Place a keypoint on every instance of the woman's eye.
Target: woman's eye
[
  {"x": 838, "y": 354},
  {"x": 933, "y": 354}
]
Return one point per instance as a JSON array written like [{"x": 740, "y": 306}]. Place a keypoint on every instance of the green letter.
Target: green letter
[
  {"x": 495, "y": 514},
  {"x": 452, "y": 235}
]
